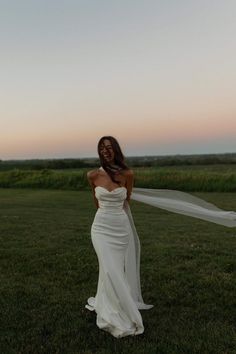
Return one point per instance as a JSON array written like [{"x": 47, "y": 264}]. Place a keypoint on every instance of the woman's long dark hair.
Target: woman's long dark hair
[{"x": 119, "y": 159}]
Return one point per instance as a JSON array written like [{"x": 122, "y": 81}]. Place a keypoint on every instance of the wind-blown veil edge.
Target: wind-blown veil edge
[{"x": 174, "y": 201}]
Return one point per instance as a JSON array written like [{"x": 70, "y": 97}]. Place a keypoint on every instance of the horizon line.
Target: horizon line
[{"x": 127, "y": 156}]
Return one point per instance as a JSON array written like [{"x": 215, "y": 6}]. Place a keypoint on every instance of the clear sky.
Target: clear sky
[{"x": 159, "y": 75}]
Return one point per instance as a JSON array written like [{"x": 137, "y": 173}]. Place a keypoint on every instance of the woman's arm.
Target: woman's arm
[
  {"x": 129, "y": 183},
  {"x": 90, "y": 176}
]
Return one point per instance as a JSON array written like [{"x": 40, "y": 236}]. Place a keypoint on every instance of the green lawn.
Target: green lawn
[{"x": 49, "y": 269}]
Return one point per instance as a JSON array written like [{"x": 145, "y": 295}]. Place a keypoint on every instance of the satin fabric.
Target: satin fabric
[{"x": 118, "y": 298}]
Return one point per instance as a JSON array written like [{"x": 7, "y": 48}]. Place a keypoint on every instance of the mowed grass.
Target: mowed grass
[{"x": 49, "y": 269}]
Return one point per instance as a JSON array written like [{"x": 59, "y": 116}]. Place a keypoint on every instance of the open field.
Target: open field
[
  {"x": 49, "y": 269},
  {"x": 206, "y": 178}
]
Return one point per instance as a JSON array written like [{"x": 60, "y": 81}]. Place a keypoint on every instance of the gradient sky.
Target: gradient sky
[{"x": 158, "y": 75}]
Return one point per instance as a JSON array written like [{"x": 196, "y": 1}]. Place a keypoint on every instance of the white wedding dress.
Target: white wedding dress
[{"x": 118, "y": 298}]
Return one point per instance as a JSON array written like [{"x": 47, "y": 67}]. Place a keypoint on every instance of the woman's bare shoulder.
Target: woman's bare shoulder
[
  {"x": 92, "y": 174},
  {"x": 129, "y": 173}
]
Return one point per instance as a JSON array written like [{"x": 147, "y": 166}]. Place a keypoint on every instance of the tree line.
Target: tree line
[{"x": 132, "y": 161}]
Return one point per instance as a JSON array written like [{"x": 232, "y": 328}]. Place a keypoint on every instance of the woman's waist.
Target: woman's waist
[{"x": 111, "y": 210}]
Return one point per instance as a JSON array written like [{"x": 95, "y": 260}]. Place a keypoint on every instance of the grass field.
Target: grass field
[
  {"x": 49, "y": 269},
  {"x": 204, "y": 178}
]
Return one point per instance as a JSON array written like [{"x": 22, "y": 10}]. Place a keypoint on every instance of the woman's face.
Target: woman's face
[{"x": 107, "y": 152}]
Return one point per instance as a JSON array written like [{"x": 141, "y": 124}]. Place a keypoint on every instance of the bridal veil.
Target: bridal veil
[{"x": 174, "y": 201}]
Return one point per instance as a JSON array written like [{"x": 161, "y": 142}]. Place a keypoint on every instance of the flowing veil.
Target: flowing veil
[
  {"x": 174, "y": 201},
  {"x": 132, "y": 263},
  {"x": 184, "y": 203}
]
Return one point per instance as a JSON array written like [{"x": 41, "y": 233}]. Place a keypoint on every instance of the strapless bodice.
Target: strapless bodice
[{"x": 111, "y": 201}]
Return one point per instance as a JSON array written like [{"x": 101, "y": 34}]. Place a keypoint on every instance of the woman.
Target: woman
[
  {"x": 115, "y": 240},
  {"x": 118, "y": 298}
]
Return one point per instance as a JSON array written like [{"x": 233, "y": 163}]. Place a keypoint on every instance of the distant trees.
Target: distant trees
[
  {"x": 54, "y": 164},
  {"x": 181, "y": 160},
  {"x": 133, "y": 161}
]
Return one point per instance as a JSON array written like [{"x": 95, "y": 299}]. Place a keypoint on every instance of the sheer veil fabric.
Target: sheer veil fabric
[
  {"x": 184, "y": 203},
  {"x": 174, "y": 201},
  {"x": 132, "y": 262}
]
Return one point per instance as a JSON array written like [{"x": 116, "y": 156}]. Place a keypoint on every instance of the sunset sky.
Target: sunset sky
[{"x": 158, "y": 75}]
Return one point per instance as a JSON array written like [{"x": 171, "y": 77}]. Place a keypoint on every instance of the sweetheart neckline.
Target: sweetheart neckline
[{"x": 108, "y": 190}]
